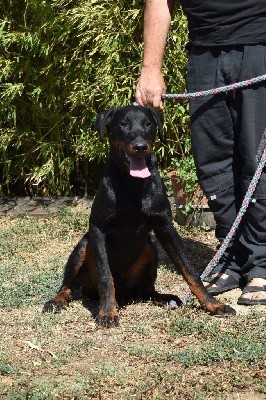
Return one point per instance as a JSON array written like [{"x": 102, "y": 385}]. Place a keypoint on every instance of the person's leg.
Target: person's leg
[
  {"x": 214, "y": 132},
  {"x": 253, "y": 238},
  {"x": 214, "y": 143},
  {"x": 220, "y": 152},
  {"x": 253, "y": 125}
]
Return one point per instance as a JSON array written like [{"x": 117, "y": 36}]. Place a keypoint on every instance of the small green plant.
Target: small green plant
[{"x": 186, "y": 173}]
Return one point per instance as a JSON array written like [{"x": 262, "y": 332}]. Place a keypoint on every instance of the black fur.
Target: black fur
[{"x": 117, "y": 259}]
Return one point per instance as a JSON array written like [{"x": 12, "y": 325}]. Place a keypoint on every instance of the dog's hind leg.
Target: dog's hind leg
[
  {"x": 80, "y": 257},
  {"x": 142, "y": 276},
  {"x": 138, "y": 281},
  {"x": 165, "y": 299}
]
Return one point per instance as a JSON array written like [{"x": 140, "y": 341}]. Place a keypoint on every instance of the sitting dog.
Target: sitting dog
[{"x": 117, "y": 257}]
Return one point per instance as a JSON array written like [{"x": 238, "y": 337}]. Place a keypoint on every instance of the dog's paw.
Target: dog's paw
[
  {"x": 222, "y": 310},
  {"x": 53, "y": 306},
  {"x": 107, "y": 321},
  {"x": 167, "y": 300}
]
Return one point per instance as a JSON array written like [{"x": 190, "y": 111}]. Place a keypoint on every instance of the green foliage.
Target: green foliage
[
  {"x": 61, "y": 63},
  {"x": 211, "y": 342},
  {"x": 185, "y": 169},
  {"x": 217, "y": 345},
  {"x": 5, "y": 366},
  {"x": 226, "y": 347}
]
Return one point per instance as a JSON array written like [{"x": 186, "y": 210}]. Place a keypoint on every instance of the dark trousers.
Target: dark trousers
[{"x": 226, "y": 132}]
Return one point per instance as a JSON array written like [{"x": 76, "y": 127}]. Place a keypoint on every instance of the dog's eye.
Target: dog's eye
[{"x": 148, "y": 124}]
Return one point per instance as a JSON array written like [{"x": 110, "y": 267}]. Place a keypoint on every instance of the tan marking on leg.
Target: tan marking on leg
[{"x": 148, "y": 256}]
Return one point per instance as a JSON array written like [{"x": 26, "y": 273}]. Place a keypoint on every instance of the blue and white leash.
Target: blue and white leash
[{"x": 212, "y": 92}]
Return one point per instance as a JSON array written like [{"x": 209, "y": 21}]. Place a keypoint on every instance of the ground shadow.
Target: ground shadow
[{"x": 199, "y": 254}]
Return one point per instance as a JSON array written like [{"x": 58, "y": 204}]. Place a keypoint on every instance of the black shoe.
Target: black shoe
[{"x": 222, "y": 285}]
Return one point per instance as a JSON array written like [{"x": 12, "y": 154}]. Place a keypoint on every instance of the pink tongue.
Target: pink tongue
[{"x": 138, "y": 168}]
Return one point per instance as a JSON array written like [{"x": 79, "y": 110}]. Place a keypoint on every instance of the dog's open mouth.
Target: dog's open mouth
[{"x": 138, "y": 167}]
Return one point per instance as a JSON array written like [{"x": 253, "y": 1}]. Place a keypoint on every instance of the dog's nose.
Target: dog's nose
[{"x": 140, "y": 147}]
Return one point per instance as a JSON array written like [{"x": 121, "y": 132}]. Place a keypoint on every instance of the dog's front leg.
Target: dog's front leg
[
  {"x": 172, "y": 244},
  {"x": 108, "y": 315}
]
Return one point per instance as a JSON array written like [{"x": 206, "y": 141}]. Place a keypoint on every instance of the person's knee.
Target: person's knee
[
  {"x": 223, "y": 201},
  {"x": 255, "y": 222}
]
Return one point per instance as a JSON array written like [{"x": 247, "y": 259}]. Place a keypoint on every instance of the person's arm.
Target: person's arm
[{"x": 157, "y": 19}]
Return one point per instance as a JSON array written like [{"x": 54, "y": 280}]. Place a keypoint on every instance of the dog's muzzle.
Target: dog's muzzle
[{"x": 137, "y": 160}]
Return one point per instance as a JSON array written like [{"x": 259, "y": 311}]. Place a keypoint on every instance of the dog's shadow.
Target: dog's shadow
[{"x": 199, "y": 254}]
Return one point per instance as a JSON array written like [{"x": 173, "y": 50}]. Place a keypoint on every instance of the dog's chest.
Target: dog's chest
[
  {"x": 120, "y": 199},
  {"x": 143, "y": 199}
]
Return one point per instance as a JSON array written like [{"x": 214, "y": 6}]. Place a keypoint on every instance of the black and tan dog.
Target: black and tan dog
[{"x": 117, "y": 259}]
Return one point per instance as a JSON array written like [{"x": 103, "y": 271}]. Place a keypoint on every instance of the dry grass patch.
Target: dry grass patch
[{"x": 154, "y": 354}]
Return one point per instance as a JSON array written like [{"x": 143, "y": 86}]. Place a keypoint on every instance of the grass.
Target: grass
[{"x": 154, "y": 354}]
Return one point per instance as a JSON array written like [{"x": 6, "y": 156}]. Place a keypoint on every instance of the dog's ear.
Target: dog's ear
[
  {"x": 103, "y": 121},
  {"x": 158, "y": 119}
]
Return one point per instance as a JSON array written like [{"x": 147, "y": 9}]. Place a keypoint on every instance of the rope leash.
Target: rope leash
[
  {"x": 212, "y": 92},
  {"x": 253, "y": 184}
]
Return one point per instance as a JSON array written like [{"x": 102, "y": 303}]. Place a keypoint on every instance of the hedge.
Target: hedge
[{"x": 61, "y": 63}]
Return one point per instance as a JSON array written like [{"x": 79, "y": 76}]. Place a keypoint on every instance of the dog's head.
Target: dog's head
[{"x": 131, "y": 131}]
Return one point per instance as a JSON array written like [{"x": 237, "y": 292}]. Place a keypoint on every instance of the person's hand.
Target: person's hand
[{"x": 150, "y": 88}]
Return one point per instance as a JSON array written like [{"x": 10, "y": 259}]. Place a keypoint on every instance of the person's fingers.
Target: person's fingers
[
  {"x": 157, "y": 102},
  {"x": 139, "y": 97},
  {"x": 154, "y": 100},
  {"x": 150, "y": 88}
]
